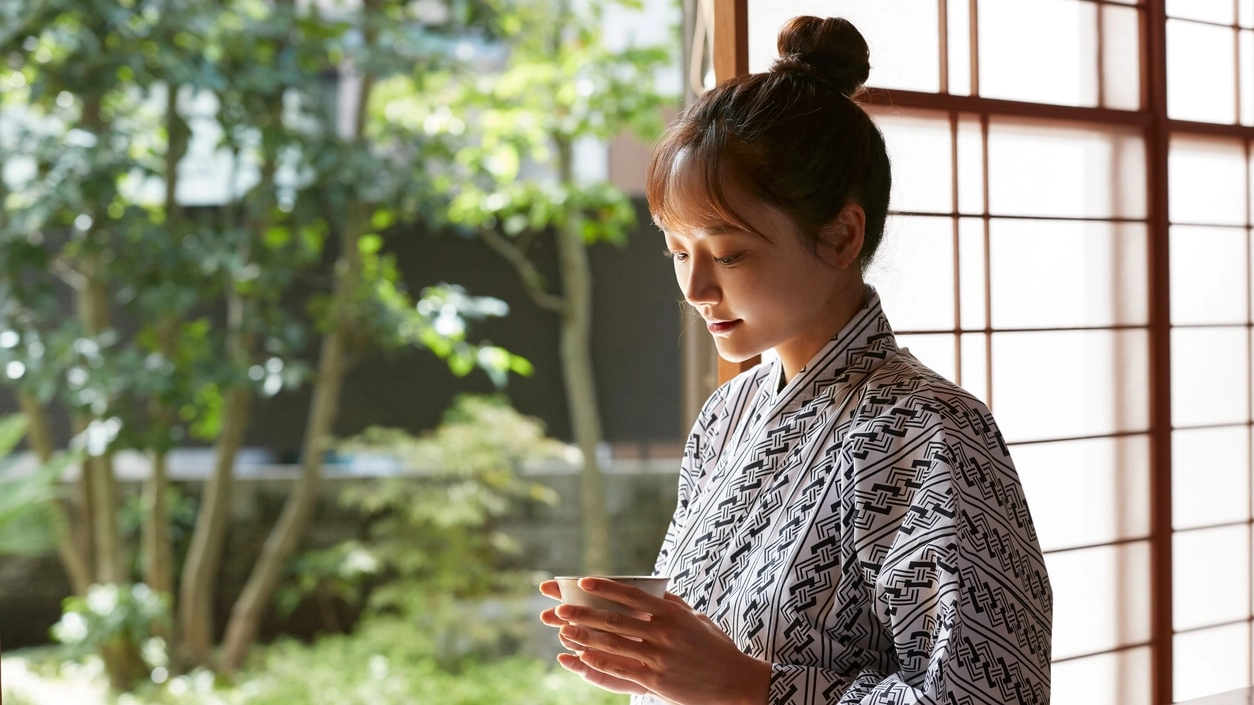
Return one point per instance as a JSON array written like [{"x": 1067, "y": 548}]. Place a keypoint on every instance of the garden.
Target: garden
[{"x": 201, "y": 209}]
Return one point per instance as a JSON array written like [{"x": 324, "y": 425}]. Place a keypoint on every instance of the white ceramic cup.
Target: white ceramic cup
[{"x": 572, "y": 594}]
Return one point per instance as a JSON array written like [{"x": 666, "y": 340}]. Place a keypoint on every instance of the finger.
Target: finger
[
  {"x": 623, "y": 594},
  {"x": 550, "y": 618},
  {"x": 676, "y": 599},
  {"x": 570, "y": 645},
  {"x": 601, "y": 680},
  {"x": 672, "y": 597},
  {"x": 604, "y": 620},
  {"x": 604, "y": 641},
  {"x": 609, "y": 668},
  {"x": 549, "y": 589}
]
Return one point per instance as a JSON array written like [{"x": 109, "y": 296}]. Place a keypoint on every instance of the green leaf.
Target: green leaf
[
  {"x": 12, "y": 429},
  {"x": 27, "y": 525},
  {"x": 277, "y": 236},
  {"x": 312, "y": 237},
  {"x": 30, "y": 532},
  {"x": 461, "y": 364},
  {"x": 370, "y": 244},
  {"x": 521, "y": 366},
  {"x": 382, "y": 219}
]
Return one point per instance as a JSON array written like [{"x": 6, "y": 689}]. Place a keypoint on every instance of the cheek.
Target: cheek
[
  {"x": 799, "y": 290},
  {"x": 681, "y": 276}
]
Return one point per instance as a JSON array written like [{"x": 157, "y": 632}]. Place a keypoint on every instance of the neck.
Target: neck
[{"x": 848, "y": 301}]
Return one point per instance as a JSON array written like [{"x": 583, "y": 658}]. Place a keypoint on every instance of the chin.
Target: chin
[{"x": 737, "y": 353}]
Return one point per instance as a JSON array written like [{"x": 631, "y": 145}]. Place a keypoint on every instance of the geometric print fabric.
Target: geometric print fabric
[{"x": 864, "y": 530}]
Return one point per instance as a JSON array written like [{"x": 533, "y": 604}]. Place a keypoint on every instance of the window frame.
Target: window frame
[{"x": 730, "y": 49}]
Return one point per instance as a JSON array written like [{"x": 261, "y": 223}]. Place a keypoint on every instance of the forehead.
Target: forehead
[{"x": 700, "y": 194}]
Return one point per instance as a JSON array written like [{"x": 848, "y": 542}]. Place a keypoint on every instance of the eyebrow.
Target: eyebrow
[{"x": 727, "y": 229}]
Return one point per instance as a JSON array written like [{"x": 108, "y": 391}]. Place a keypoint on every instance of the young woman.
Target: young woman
[{"x": 850, "y": 526}]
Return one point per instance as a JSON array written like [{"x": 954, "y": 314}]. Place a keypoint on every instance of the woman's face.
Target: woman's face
[{"x": 762, "y": 291}]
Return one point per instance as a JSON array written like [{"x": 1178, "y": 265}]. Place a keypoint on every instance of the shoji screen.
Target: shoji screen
[{"x": 1025, "y": 259}]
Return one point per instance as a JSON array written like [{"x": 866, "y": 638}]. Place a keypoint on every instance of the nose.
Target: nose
[{"x": 698, "y": 282}]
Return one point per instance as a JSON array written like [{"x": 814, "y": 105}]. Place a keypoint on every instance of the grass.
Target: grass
[{"x": 340, "y": 670}]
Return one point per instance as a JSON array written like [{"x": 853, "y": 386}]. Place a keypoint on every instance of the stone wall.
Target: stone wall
[{"x": 641, "y": 497}]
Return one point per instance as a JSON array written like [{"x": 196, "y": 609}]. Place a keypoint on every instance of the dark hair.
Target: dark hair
[{"x": 792, "y": 137}]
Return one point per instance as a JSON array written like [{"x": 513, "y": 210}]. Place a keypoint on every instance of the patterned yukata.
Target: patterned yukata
[{"x": 864, "y": 530}]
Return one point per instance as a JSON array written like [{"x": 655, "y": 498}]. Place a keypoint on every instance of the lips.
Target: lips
[{"x": 717, "y": 327}]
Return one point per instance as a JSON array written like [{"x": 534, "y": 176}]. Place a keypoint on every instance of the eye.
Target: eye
[
  {"x": 729, "y": 259},
  {"x": 677, "y": 256}
]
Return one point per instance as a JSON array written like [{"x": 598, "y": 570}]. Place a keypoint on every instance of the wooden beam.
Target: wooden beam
[
  {"x": 731, "y": 58},
  {"x": 1158, "y": 139},
  {"x": 731, "y": 38}
]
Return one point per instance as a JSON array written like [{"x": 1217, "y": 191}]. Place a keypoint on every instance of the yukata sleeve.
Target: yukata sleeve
[
  {"x": 698, "y": 452},
  {"x": 951, "y": 571}
]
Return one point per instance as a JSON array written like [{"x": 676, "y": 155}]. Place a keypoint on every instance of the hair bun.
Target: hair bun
[{"x": 829, "y": 50}]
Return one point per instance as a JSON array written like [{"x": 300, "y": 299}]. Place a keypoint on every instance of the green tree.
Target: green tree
[
  {"x": 79, "y": 148},
  {"x": 360, "y": 179},
  {"x": 97, "y": 104},
  {"x": 28, "y": 526},
  {"x": 560, "y": 84}
]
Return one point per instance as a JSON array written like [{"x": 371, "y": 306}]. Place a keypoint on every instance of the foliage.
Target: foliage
[
  {"x": 327, "y": 575},
  {"x": 104, "y": 107},
  {"x": 181, "y": 513},
  {"x": 84, "y": 138},
  {"x": 16, "y": 698},
  {"x": 90, "y": 146},
  {"x": 99, "y": 99},
  {"x": 512, "y": 181},
  {"x": 443, "y": 311},
  {"x": 120, "y": 623},
  {"x": 375, "y": 668},
  {"x": 27, "y": 525},
  {"x": 382, "y": 663},
  {"x": 560, "y": 84},
  {"x": 433, "y": 559},
  {"x": 433, "y": 529}
]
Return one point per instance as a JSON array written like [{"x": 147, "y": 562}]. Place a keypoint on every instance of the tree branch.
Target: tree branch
[
  {"x": 533, "y": 281},
  {"x": 73, "y": 278},
  {"x": 525, "y": 240}
]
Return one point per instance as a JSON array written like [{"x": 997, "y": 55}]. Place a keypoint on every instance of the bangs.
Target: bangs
[{"x": 688, "y": 178}]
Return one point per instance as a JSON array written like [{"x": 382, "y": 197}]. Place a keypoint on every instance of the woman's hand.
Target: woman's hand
[
  {"x": 675, "y": 653},
  {"x": 571, "y": 662}
]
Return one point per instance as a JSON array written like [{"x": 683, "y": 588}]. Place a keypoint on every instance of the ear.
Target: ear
[{"x": 844, "y": 234}]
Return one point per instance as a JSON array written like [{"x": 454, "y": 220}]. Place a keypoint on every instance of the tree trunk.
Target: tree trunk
[
  {"x": 158, "y": 562},
  {"x": 155, "y": 551},
  {"x": 580, "y": 381},
  {"x": 283, "y": 539},
  {"x": 200, "y": 570},
  {"x": 155, "y": 540},
  {"x": 93, "y": 311},
  {"x": 110, "y": 563},
  {"x": 101, "y": 492},
  {"x": 40, "y": 438},
  {"x": 246, "y": 614}
]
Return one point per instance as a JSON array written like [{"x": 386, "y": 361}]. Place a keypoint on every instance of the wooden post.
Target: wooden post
[
  {"x": 731, "y": 58},
  {"x": 731, "y": 39},
  {"x": 1158, "y": 138}
]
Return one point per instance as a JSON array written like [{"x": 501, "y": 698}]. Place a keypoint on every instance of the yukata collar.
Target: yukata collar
[{"x": 864, "y": 344}]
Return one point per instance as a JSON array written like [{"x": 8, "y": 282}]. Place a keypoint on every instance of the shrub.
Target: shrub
[
  {"x": 120, "y": 624},
  {"x": 432, "y": 558},
  {"x": 376, "y": 666}
]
